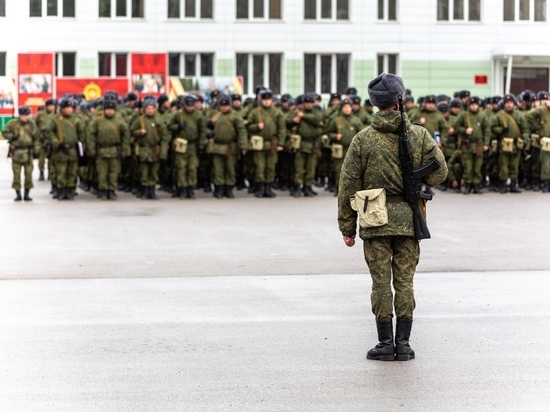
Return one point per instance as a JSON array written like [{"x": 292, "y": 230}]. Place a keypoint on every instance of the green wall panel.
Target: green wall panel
[
  {"x": 87, "y": 68},
  {"x": 225, "y": 68},
  {"x": 363, "y": 73},
  {"x": 445, "y": 77},
  {"x": 294, "y": 84}
]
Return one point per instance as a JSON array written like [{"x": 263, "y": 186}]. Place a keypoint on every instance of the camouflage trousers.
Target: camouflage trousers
[
  {"x": 16, "y": 167},
  {"x": 108, "y": 170},
  {"x": 392, "y": 261},
  {"x": 224, "y": 170},
  {"x": 265, "y": 163},
  {"x": 545, "y": 165},
  {"x": 149, "y": 172},
  {"x": 471, "y": 165},
  {"x": 304, "y": 168},
  {"x": 508, "y": 165},
  {"x": 66, "y": 173},
  {"x": 185, "y": 169}
]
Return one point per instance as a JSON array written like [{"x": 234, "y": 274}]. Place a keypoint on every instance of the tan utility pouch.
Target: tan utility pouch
[
  {"x": 337, "y": 151},
  {"x": 371, "y": 207},
  {"x": 180, "y": 145},
  {"x": 136, "y": 150},
  {"x": 494, "y": 145},
  {"x": 545, "y": 144},
  {"x": 325, "y": 141},
  {"x": 507, "y": 144},
  {"x": 520, "y": 144},
  {"x": 210, "y": 146},
  {"x": 535, "y": 141},
  {"x": 257, "y": 142},
  {"x": 220, "y": 149},
  {"x": 295, "y": 141}
]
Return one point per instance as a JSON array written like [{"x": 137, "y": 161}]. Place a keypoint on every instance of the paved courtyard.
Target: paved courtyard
[{"x": 257, "y": 305}]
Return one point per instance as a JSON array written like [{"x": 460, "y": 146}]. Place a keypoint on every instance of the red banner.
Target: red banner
[
  {"x": 91, "y": 88},
  {"x": 34, "y": 80},
  {"x": 149, "y": 73}
]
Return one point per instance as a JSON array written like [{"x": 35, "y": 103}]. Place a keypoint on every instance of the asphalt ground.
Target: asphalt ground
[{"x": 256, "y": 305}]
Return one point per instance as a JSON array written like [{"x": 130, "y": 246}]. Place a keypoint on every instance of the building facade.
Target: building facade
[{"x": 437, "y": 46}]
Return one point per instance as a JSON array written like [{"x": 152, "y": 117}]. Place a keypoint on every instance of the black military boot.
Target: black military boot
[
  {"x": 102, "y": 194},
  {"x": 536, "y": 184},
  {"x": 503, "y": 187},
  {"x": 403, "y": 351},
  {"x": 384, "y": 350},
  {"x": 190, "y": 193},
  {"x": 252, "y": 188},
  {"x": 60, "y": 194},
  {"x": 319, "y": 182},
  {"x": 69, "y": 195},
  {"x": 17, "y": 196},
  {"x": 207, "y": 187},
  {"x": 529, "y": 183},
  {"x": 152, "y": 193},
  {"x": 218, "y": 191},
  {"x": 111, "y": 195},
  {"x": 476, "y": 190},
  {"x": 26, "y": 197},
  {"x": 228, "y": 192},
  {"x": 268, "y": 192},
  {"x": 41, "y": 177},
  {"x": 177, "y": 192},
  {"x": 308, "y": 192},
  {"x": 53, "y": 189},
  {"x": 545, "y": 185},
  {"x": 283, "y": 186},
  {"x": 466, "y": 189},
  {"x": 259, "y": 190},
  {"x": 524, "y": 182},
  {"x": 514, "y": 187},
  {"x": 295, "y": 191}
]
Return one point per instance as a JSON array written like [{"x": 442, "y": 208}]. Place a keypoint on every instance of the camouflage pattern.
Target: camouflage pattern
[
  {"x": 386, "y": 255},
  {"x": 433, "y": 121},
  {"x": 372, "y": 162},
  {"x": 537, "y": 119}
]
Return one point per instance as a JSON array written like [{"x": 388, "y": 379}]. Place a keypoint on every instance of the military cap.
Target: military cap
[
  {"x": 174, "y": 103},
  {"x": 247, "y": 101},
  {"x": 258, "y": 89},
  {"x": 443, "y": 107},
  {"x": 65, "y": 102},
  {"x": 344, "y": 102},
  {"x": 355, "y": 100},
  {"x": 473, "y": 100},
  {"x": 51, "y": 102},
  {"x": 528, "y": 96},
  {"x": 149, "y": 102},
  {"x": 285, "y": 97},
  {"x": 223, "y": 99},
  {"x": 509, "y": 97},
  {"x": 464, "y": 93},
  {"x": 308, "y": 98},
  {"x": 300, "y": 99},
  {"x": 456, "y": 95},
  {"x": 24, "y": 110},
  {"x": 214, "y": 93},
  {"x": 335, "y": 96},
  {"x": 292, "y": 102},
  {"x": 99, "y": 102},
  {"x": 131, "y": 96},
  {"x": 199, "y": 98},
  {"x": 266, "y": 94},
  {"x": 351, "y": 90},
  {"x": 236, "y": 96},
  {"x": 85, "y": 106},
  {"x": 110, "y": 95},
  {"x": 138, "y": 104},
  {"x": 368, "y": 103},
  {"x": 496, "y": 99},
  {"x": 442, "y": 97},
  {"x": 188, "y": 100},
  {"x": 542, "y": 95},
  {"x": 408, "y": 92},
  {"x": 109, "y": 104},
  {"x": 318, "y": 97},
  {"x": 455, "y": 103},
  {"x": 408, "y": 99},
  {"x": 430, "y": 99},
  {"x": 162, "y": 99}
]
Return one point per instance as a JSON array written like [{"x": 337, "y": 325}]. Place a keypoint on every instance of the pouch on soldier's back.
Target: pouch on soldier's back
[{"x": 371, "y": 207}]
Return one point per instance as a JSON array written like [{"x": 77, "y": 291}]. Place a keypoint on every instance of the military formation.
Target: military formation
[{"x": 265, "y": 144}]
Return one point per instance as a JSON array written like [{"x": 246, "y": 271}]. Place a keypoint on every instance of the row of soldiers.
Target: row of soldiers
[
  {"x": 502, "y": 142},
  {"x": 135, "y": 146}
]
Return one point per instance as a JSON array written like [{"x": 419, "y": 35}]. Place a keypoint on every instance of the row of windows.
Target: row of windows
[
  {"x": 447, "y": 10},
  {"x": 322, "y": 72}
]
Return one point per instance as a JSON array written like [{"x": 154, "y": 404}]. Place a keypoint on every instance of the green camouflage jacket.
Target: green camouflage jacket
[
  {"x": 108, "y": 137},
  {"x": 372, "y": 162}
]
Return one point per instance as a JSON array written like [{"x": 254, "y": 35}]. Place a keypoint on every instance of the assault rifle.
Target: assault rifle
[{"x": 411, "y": 179}]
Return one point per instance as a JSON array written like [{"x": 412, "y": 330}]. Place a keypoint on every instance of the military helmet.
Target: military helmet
[{"x": 24, "y": 110}]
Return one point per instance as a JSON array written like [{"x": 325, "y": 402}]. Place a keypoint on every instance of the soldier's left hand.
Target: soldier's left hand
[
  {"x": 349, "y": 240},
  {"x": 485, "y": 148},
  {"x": 280, "y": 148},
  {"x": 261, "y": 126}
]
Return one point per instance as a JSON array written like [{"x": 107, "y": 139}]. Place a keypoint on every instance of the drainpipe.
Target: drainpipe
[{"x": 509, "y": 74}]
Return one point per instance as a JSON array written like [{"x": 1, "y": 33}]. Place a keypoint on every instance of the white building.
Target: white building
[{"x": 437, "y": 46}]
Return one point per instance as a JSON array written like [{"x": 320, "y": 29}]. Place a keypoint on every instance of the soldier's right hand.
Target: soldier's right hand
[
  {"x": 143, "y": 131},
  {"x": 469, "y": 131},
  {"x": 349, "y": 240}
]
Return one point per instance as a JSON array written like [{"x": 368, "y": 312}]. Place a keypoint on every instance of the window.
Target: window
[
  {"x": 49, "y": 8},
  {"x": 387, "y": 63},
  {"x": 2, "y": 63},
  {"x": 387, "y": 10},
  {"x": 190, "y": 64},
  {"x": 259, "y": 9},
  {"x": 459, "y": 10},
  {"x": 2, "y": 8},
  {"x": 121, "y": 8},
  {"x": 326, "y": 72},
  {"x": 524, "y": 10},
  {"x": 190, "y": 9},
  {"x": 65, "y": 64},
  {"x": 108, "y": 61},
  {"x": 326, "y": 9},
  {"x": 260, "y": 70}
]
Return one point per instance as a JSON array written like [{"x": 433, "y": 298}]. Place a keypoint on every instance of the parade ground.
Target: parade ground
[{"x": 257, "y": 305}]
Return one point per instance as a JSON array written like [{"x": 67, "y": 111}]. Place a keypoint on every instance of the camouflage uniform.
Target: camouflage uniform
[
  {"x": 372, "y": 161},
  {"x": 540, "y": 126}
]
